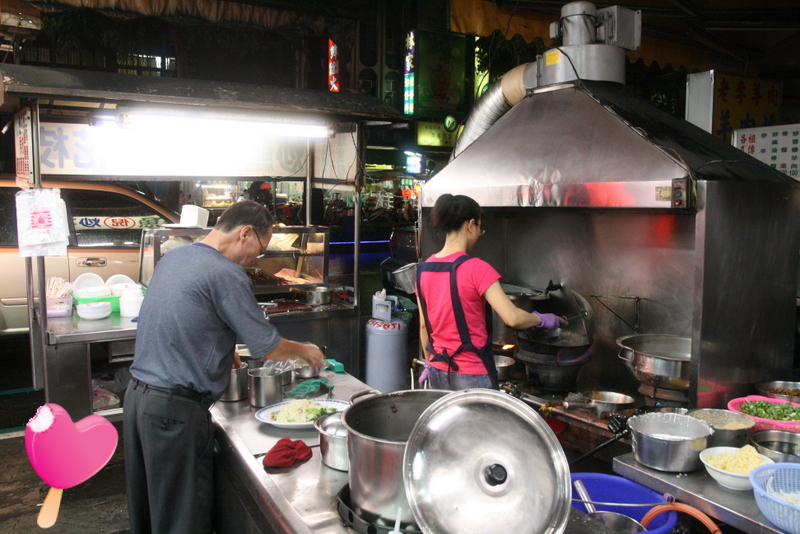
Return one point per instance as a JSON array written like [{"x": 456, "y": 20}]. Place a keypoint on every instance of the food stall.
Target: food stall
[
  {"x": 671, "y": 236},
  {"x": 119, "y": 127}
]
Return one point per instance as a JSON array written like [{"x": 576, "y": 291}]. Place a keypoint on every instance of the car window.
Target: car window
[
  {"x": 106, "y": 219},
  {"x": 8, "y": 217}
]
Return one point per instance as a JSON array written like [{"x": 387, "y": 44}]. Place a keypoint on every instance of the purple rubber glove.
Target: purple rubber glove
[
  {"x": 423, "y": 376},
  {"x": 550, "y": 321}
]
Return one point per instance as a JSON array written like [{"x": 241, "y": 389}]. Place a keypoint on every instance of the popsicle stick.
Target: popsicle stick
[{"x": 49, "y": 511}]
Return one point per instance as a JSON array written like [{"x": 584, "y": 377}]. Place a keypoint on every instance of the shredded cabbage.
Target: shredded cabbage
[{"x": 301, "y": 411}]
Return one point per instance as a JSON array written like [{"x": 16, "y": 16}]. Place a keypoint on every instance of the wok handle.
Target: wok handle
[
  {"x": 298, "y": 291},
  {"x": 626, "y": 352}
]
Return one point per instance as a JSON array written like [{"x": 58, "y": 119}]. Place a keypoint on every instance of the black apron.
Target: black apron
[{"x": 485, "y": 352}]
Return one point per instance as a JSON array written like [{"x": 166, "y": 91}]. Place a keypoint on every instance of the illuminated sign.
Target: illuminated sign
[
  {"x": 408, "y": 74},
  {"x": 413, "y": 164},
  {"x": 437, "y": 133},
  {"x": 333, "y": 67}
]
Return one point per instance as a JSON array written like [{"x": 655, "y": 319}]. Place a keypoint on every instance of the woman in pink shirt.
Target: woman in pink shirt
[{"x": 456, "y": 295}]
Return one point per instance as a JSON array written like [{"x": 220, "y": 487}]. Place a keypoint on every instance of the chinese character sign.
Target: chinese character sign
[
  {"x": 22, "y": 146},
  {"x": 777, "y": 146},
  {"x": 80, "y": 149},
  {"x": 333, "y": 67},
  {"x": 744, "y": 103}
]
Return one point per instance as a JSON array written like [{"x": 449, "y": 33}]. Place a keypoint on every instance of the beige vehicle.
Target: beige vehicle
[{"x": 106, "y": 227}]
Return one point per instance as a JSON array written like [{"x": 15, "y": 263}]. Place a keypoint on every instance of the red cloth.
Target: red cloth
[{"x": 286, "y": 453}]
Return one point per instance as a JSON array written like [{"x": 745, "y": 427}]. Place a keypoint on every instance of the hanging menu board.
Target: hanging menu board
[{"x": 777, "y": 146}]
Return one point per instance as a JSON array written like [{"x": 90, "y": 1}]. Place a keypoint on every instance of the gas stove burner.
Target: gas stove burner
[
  {"x": 367, "y": 525},
  {"x": 503, "y": 349},
  {"x": 664, "y": 397}
]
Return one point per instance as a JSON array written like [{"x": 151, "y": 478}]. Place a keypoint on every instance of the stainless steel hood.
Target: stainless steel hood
[{"x": 591, "y": 144}]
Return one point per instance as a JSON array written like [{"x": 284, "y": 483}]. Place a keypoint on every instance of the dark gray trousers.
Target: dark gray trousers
[{"x": 169, "y": 462}]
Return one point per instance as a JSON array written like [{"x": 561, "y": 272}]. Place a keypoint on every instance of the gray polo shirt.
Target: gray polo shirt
[{"x": 196, "y": 304}]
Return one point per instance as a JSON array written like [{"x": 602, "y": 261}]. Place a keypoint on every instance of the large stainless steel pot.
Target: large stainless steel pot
[
  {"x": 669, "y": 441},
  {"x": 658, "y": 360},
  {"x": 378, "y": 428}
]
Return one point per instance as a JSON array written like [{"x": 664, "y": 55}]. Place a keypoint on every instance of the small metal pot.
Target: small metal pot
[
  {"x": 306, "y": 371},
  {"x": 238, "y": 386},
  {"x": 505, "y": 367},
  {"x": 315, "y": 296},
  {"x": 730, "y": 428},
  {"x": 265, "y": 389},
  {"x": 333, "y": 441}
]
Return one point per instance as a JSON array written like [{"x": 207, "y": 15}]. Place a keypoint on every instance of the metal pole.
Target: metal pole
[
  {"x": 309, "y": 178},
  {"x": 360, "y": 148}
]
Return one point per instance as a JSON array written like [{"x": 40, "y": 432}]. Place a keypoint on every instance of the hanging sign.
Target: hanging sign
[
  {"x": 23, "y": 148},
  {"x": 109, "y": 150},
  {"x": 334, "y": 83}
]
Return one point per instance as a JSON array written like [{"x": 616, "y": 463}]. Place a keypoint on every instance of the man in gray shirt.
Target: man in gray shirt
[{"x": 198, "y": 301}]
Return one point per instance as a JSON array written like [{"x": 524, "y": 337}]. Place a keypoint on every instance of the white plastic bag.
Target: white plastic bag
[{"x": 42, "y": 228}]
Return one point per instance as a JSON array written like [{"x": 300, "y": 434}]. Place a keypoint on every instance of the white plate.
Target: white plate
[
  {"x": 119, "y": 279},
  {"x": 265, "y": 414},
  {"x": 88, "y": 280}
]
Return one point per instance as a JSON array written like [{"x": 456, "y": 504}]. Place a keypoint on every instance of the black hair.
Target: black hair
[
  {"x": 245, "y": 213},
  {"x": 450, "y": 212}
]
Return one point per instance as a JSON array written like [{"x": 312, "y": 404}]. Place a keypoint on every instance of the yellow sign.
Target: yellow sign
[
  {"x": 552, "y": 57},
  {"x": 744, "y": 103},
  {"x": 435, "y": 134}
]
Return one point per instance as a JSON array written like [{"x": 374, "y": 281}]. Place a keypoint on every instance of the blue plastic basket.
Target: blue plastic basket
[
  {"x": 614, "y": 489},
  {"x": 770, "y": 480}
]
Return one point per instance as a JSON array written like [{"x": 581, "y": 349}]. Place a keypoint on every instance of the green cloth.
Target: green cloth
[{"x": 309, "y": 387}]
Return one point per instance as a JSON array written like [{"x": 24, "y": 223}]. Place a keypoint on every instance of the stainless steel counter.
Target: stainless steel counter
[
  {"x": 300, "y": 499},
  {"x": 698, "y": 489}
]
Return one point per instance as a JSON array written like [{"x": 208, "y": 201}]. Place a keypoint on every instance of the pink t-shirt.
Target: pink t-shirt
[{"x": 473, "y": 278}]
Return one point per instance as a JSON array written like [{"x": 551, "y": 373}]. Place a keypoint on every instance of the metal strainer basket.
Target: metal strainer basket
[{"x": 406, "y": 277}]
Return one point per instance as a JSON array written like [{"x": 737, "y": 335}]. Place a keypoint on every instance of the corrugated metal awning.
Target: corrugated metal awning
[{"x": 90, "y": 86}]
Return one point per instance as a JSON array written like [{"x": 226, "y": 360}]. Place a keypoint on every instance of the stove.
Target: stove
[
  {"x": 663, "y": 397},
  {"x": 364, "y": 523}
]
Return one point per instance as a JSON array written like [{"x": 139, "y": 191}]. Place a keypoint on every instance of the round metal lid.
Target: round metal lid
[{"x": 482, "y": 461}]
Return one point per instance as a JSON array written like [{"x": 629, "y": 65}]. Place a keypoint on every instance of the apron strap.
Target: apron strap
[{"x": 485, "y": 352}]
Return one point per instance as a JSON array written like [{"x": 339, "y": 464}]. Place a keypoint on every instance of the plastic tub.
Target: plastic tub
[{"x": 615, "y": 489}]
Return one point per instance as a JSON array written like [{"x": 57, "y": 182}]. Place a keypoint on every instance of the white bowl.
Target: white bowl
[
  {"x": 119, "y": 279},
  {"x": 133, "y": 294},
  {"x": 91, "y": 292},
  {"x": 93, "y": 310},
  {"x": 119, "y": 289},
  {"x": 88, "y": 280},
  {"x": 727, "y": 479}
]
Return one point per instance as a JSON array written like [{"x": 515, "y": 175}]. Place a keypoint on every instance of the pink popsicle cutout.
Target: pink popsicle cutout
[{"x": 64, "y": 453}]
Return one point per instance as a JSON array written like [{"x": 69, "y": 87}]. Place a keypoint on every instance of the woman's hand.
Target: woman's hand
[{"x": 550, "y": 321}]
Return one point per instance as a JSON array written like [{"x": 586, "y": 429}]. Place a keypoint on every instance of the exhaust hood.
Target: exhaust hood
[
  {"x": 564, "y": 131},
  {"x": 591, "y": 144}
]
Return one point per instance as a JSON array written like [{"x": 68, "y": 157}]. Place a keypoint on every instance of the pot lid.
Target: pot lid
[{"x": 482, "y": 461}]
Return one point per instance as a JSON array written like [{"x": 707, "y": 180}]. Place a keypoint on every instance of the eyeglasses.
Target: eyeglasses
[
  {"x": 260, "y": 244},
  {"x": 482, "y": 232}
]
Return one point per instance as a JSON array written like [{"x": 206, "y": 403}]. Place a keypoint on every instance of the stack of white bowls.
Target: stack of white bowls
[{"x": 130, "y": 301}]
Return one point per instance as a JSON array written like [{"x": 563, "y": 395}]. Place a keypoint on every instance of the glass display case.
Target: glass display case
[{"x": 296, "y": 256}]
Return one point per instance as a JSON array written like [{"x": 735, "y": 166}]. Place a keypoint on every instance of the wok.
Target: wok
[{"x": 602, "y": 401}]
